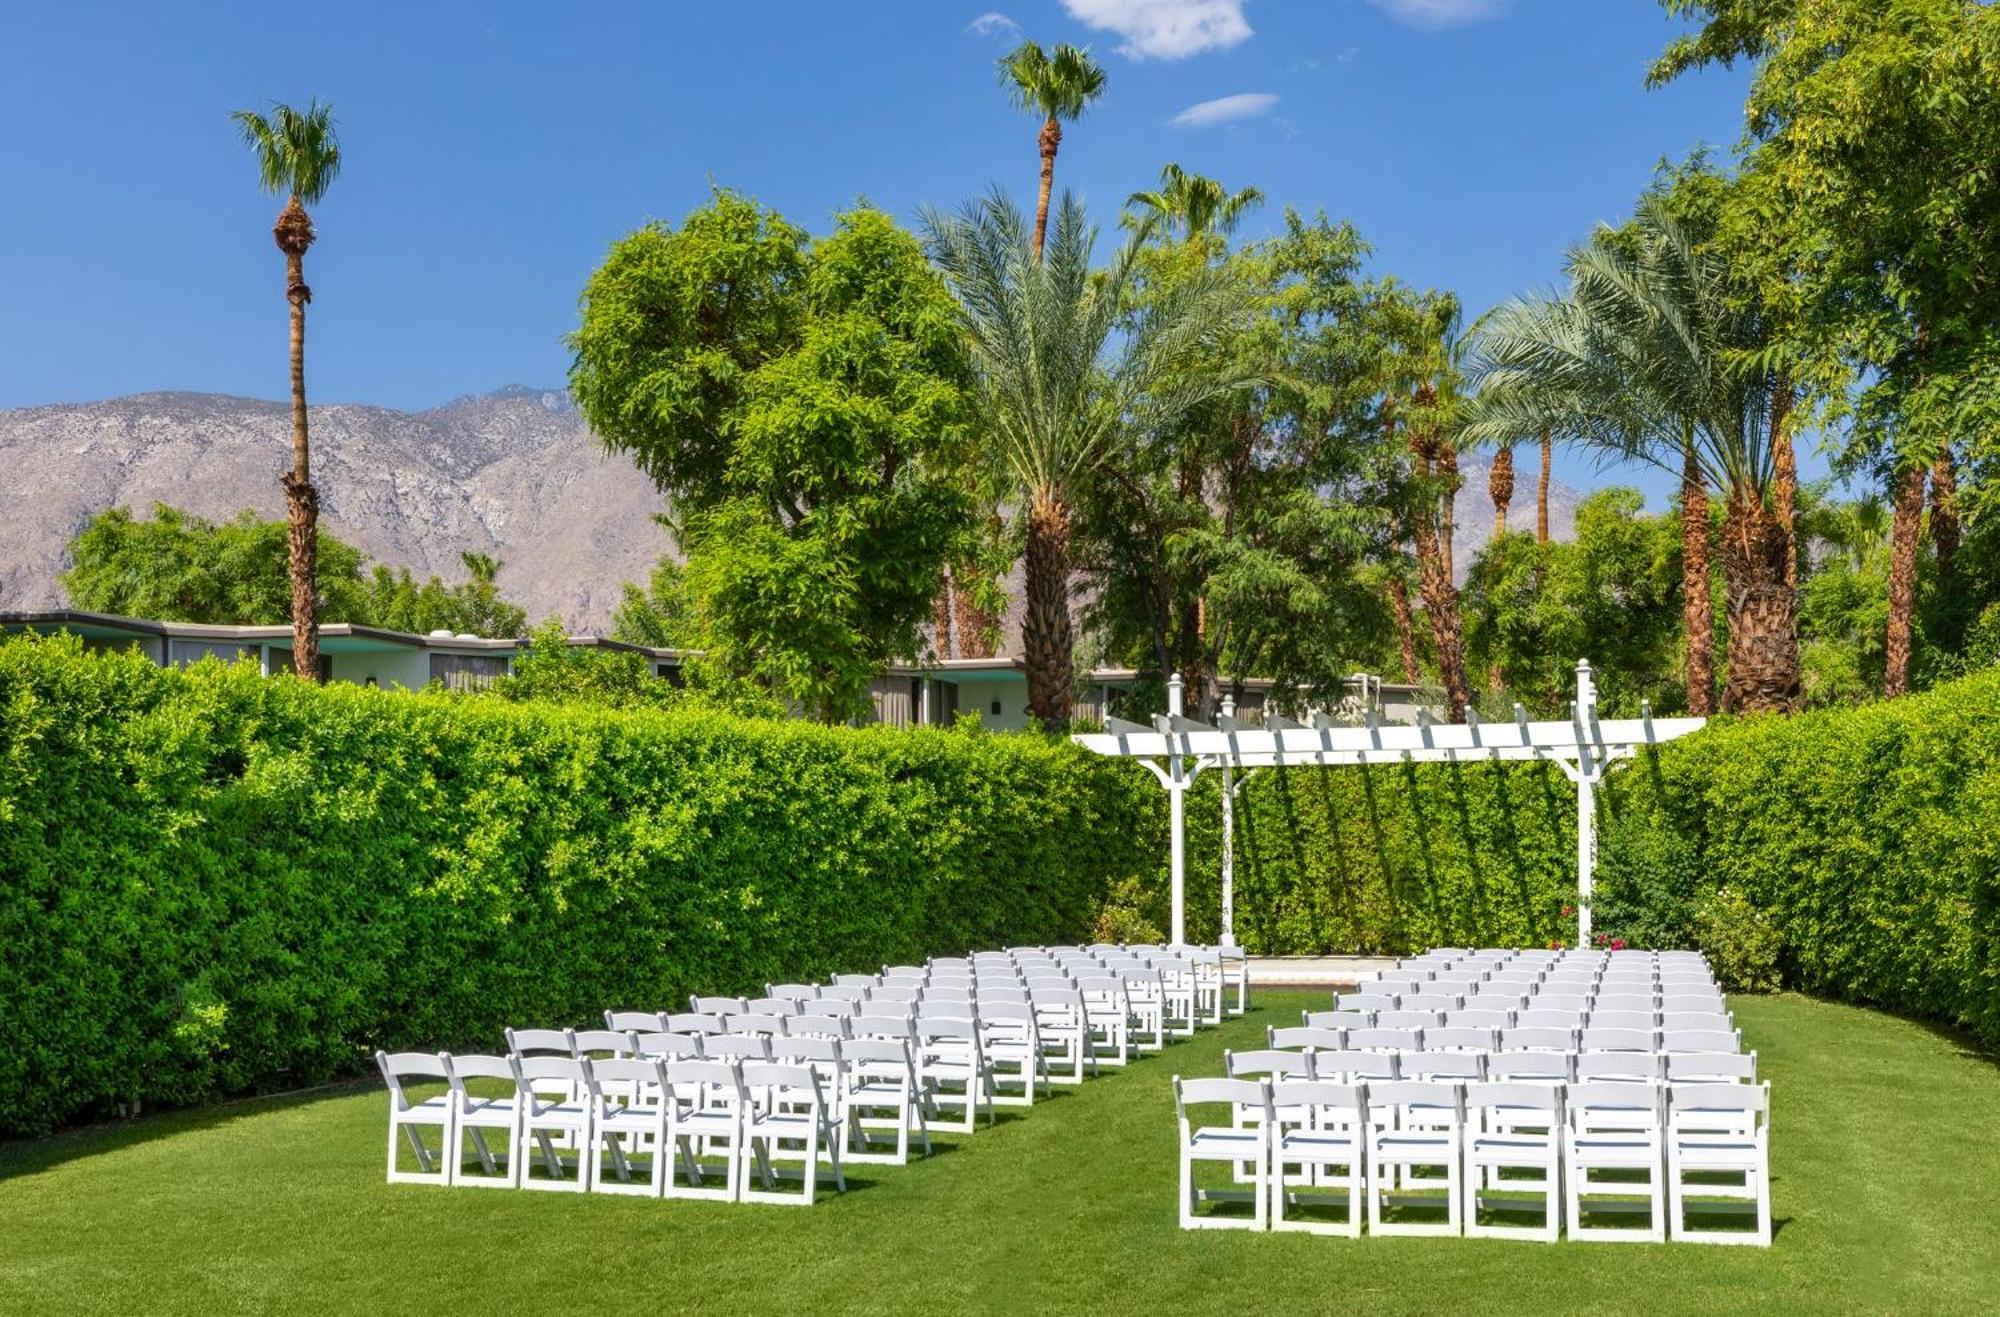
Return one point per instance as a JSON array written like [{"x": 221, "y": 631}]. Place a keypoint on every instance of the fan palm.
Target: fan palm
[
  {"x": 1056, "y": 85},
  {"x": 1192, "y": 205},
  {"x": 298, "y": 158},
  {"x": 1649, "y": 356},
  {"x": 1065, "y": 377}
]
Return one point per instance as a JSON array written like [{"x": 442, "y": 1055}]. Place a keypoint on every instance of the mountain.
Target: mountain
[{"x": 515, "y": 473}]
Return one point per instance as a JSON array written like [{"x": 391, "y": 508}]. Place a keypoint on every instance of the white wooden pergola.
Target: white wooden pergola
[{"x": 1177, "y": 750}]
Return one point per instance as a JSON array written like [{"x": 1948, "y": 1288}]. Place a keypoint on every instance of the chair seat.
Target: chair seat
[
  {"x": 1614, "y": 1150},
  {"x": 882, "y": 1089},
  {"x": 1719, "y": 1154},
  {"x": 1318, "y": 1143},
  {"x": 633, "y": 1118},
  {"x": 706, "y": 1122},
  {"x": 1397, "y": 1147},
  {"x": 784, "y": 1125},
  {"x": 488, "y": 1112},
  {"x": 428, "y": 1109},
  {"x": 1224, "y": 1141},
  {"x": 1507, "y": 1145}
]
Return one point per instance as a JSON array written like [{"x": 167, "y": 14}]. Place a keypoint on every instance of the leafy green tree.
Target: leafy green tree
[
  {"x": 1057, "y": 85},
  {"x": 804, "y": 404},
  {"x": 1066, "y": 379},
  {"x": 298, "y": 157},
  {"x": 1611, "y": 595},
  {"x": 661, "y": 614},
  {"x": 1869, "y": 214},
  {"x": 178, "y": 567},
  {"x": 552, "y": 670}
]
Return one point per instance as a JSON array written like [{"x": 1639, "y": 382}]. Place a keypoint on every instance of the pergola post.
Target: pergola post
[
  {"x": 1177, "y": 785},
  {"x": 1228, "y": 838},
  {"x": 1588, "y": 770}
]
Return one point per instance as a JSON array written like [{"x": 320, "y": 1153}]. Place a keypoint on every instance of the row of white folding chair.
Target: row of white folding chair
[
  {"x": 1554, "y": 1017},
  {"x": 1148, "y": 1005},
  {"x": 1369, "y": 1141},
  {"x": 617, "y": 1113},
  {"x": 1585, "y": 990},
  {"x": 1519, "y": 1038},
  {"x": 1304, "y": 1052}
]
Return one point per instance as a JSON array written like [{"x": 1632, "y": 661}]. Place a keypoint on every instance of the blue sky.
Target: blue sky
[{"x": 494, "y": 150}]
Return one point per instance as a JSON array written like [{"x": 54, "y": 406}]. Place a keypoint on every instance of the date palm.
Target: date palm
[
  {"x": 1649, "y": 355},
  {"x": 1191, "y": 205},
  {"x": 1056, "y": 85},
  {"x": 1066, "y": 377},
  {"x": 298, "y": 158}
]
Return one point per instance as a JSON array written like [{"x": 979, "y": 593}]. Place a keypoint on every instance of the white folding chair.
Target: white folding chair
[
  {"x": 412, "y": 1115},
  {"x": 1715, "y": 1130},
  {"x": 629, "y": 1099},
  {"x": 789, "y": 1119},
  {"x": 1062, "y": 1019},
  {"x": 547, "y": 1089},
  {"x": 1146, "y": 995},
  {"x": 1614, "y": 1128},
  {"x": 883, "y": 1101},
  {"x": 1513, "y": 1127},
  {"x": 1324, "y": 1139},
  {"x": 1011, "y": 1039},
  {"x": 951, "y": 1065},
  {"x": 1414, "y": 1125},
  {"x": 493, "y": 1108},
  {"x": 1237, "y": 1145},
  {"x": 704, "y": 1126},
  {"x": 1108, "y": 1018}
]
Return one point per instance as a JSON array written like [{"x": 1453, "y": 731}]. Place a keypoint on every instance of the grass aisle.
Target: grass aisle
[{"x": 1886, "y": 1155}]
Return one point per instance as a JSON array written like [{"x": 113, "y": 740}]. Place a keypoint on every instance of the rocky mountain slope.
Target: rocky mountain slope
[{"x": 514, "y": 473}]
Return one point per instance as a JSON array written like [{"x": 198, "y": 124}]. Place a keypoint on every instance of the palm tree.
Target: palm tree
[
  {"x": 1056, "y": 85},
  {"x": 1650, "y": 356},
  {"x": 1192, "y": 205},
  {"x": 298, "y": 158},
  {"x": 1064, "y": 381}
]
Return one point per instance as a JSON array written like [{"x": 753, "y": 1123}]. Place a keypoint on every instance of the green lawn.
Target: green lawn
[{"x": 1885, "y": 1147}]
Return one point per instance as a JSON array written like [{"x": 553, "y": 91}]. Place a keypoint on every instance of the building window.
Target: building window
[
  {"x": 996, "y": 708},
  {"x": 468, "y": 671},
  {"x": 184, "y": 652}
]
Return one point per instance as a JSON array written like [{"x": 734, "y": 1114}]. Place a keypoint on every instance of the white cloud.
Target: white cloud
[
  {"x": 993, "y": 23},
  {"x": 1225, "y": 109},
  {"x": 1165, "y": 29},
  {"x": 1437, "y": 15}
]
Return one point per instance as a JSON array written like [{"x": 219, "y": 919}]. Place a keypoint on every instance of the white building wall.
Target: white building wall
[{"x": 409, "y": 668}]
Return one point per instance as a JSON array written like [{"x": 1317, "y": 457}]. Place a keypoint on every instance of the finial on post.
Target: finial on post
[
  {"x": 1174, "y": 695},
  {"x": 1586, "y": 689}
]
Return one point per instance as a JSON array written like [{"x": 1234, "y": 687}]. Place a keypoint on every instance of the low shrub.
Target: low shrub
[
  {"x": 1740, "y": 941},
  {"x": 213, "y": 882}
]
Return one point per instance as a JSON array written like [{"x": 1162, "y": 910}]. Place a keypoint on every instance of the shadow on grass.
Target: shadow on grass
[{"x": 32, "y": 1156}]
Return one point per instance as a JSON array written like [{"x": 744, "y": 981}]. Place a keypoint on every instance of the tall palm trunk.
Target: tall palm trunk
[
  {"x": 1406, "y": 628},
  {"x": 294, "y": 233},
  {"x": 1045, "y": 630},
  {"x": 1785, "y": 478},
  {"x": 1051, "y": 142},
  {"x": 1500, "y": 484},
  {"x": 1945, "y": 528},
  {"x": 1763, "y": 611},
  {"x": 1697, "y": 610},
  {"x": 1542, "y": 491},
  {"x": 1903, "y": 534}
]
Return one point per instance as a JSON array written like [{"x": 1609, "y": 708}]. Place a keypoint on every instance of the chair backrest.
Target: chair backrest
[
  {"x": 1337, "y": 1019},
  {"x": 825, "y": 1050},
  {"x": 634, "y": 1021},
  {"x": 1237, "y": 1093},
  {"x": 819, "y": 1026},
  {"x": 1008, "y": 1014},
  {"x": 717, "y": 1005},
  {"x": 695, "y": 1022},
  {"x": 1602, "y": 1019},
  {"x": 1718, "y": 1108},
  {"x": 1351, "y": 1066},
  {"x": 1698, "y": 1021},
  {"x": 854, "y": 981},
  {"x": 460, "y": 1067},
  {"x": 1541, "y": 1017},
  {"x": 1401, "y": 1019},
  {"x": 1332, "y": 1040},
  {"x": 789, "y": 1084},
  {"x": 530, "y": 1070},
  {"x": 1341, "y": 1103},
  {"x": 948, "y": 992},
  {"x": 765, "y": 1024},
  {"x": 1514, "y": 1097},
  {"x": 1436, "y": 1002},
  {"x": 892, "y": 973},
  {"x": 1364, "y": 1001},
  {"x": 792, "y": 991},
  {"x": 1612, "y": 1106},
  {"x": 826, "y": 1006},
  {"x": 992, "y": 995},
  {"x": 903, "y": 992},
  {"x": 1546, "y": 1000},
  {"x": 1616, "y": 1067},
  {"x": 1475, "y": 1017},
  {"x": 399, "y": 1066},
  {"x": 1537, "y": 1038},
  {"x": 626, "y": 1071},
  {"x": 1711, "y": 1067},
  {"x": 1442, "y": 1065},
  {"x": 844, "y": 992},
  {"x": 539, "y": 1042},
  {"x": 1455, "y": 1038},
  {"x": 720, "y": 1080},
  {"x": 957, "y": 1027},
  {"x": 1266, "y": 1061},
  {"x": 1416, "y": 1101},
  {"x": 1701, "y": 1003},
  {"x": 600, "y": 1042},
  {"x": 752, "y": 1046},
  {"x": 1591, "y": 1039},
  {"x": 1700, "y": 1040},
  {"x": 772, "y": 1006},
  {"x": 1385, "y": 1040},
  {"x": 1524, "y": 1067},
  {"x": 667, "y": 1044},
  {"x": 874, "y": 1009}
]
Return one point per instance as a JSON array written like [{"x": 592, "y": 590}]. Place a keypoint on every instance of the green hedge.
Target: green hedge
[
  {"x": 1384, "y": 860},
  {"x": 212, "y": 882},
  {"x": 1866, "y": 839}
]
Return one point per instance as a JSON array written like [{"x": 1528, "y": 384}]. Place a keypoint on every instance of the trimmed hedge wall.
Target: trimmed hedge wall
[
  {"x": 1867, "y": 839},
  {"x": 212, "y": 882},
  {"x": 1387, "y": 860}
]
